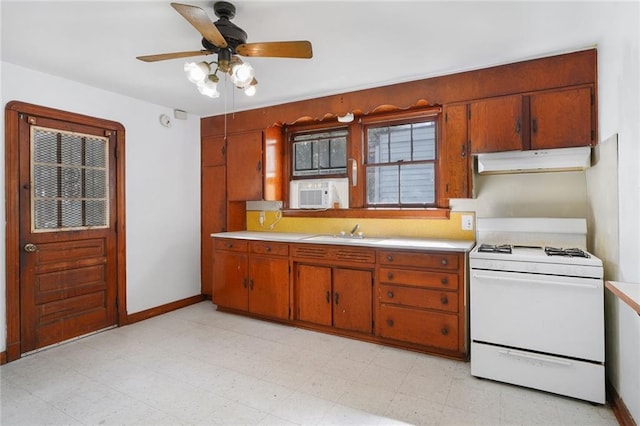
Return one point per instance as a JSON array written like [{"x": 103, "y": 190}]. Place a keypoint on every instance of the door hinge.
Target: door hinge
[{"x": 593, "y": 135}]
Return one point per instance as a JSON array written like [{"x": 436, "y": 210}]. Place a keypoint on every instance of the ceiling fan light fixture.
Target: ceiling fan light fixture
[
  {"x": 251, "y": 89},
  {"x": 242, "y": 74},
  {"x": 197, "y": 72},
  {"x": 209, "y": 86}
]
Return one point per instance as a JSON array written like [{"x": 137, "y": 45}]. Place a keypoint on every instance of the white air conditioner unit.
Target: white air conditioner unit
[{"x": 319, "y": 193}]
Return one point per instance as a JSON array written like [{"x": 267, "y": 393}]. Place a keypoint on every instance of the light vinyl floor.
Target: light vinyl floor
[{"x": 199, "y": 366}]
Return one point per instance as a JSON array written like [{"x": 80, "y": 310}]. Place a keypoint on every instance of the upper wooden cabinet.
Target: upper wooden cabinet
[
  {"x": 244, "y": 166},
  {"x": 212, "y": 150},
  {"x": 496, "y": 124},
  {"x": 562, "y": 118},
  {"x": 552, "y": 119},
  {"x": 453, "y": 172}
]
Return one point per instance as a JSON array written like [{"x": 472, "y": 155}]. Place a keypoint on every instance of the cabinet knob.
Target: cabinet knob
[
  {"x": 534, "y": 125},
  {"x": 336, "y": 297},
  {"x": 250, "y": 284},
  {"x": 444, "y": 261},
  {"x": 390, "y": 258},
  {"x": 390, "y": 275},
  {"x": 390, "y": 294},
  {"x": 444, "y": 300},
  {"x": 244, "y": 282},
  {"x": 390, "y": 322},
  {"x": 267, "y": 248},
  {"x": 228, "y": 245},
  {"x": 328, "y": 297},
  {"x": 444, "y": 280},
  {"x": 444, "y": 331}
]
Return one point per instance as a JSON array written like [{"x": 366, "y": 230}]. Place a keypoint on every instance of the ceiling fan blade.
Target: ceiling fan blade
[
  {"x": 277, "y": 49},
  {"x": 201, "y": 22},
  {"x": 175, "y": 55}
]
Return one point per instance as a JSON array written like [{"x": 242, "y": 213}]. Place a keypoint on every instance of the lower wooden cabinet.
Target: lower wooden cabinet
[
  {"x": 246, "y": 278},
  {"x": 334, "y": 296},
  {"x": 412, "y": 299}
]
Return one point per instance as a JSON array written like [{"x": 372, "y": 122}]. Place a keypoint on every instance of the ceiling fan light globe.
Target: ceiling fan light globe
[
  {"x": 250, "y": 91},
  {"x": 209, "y": 88},
  {"x": 242, "y": 74},
  {"x": 197, "y": 72}
]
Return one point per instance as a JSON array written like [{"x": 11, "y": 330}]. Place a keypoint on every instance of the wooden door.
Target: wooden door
[
  {"x": 496, "y": 124},
  {"x": 68, "y": 262},
  {"x": 562, "y": 118},
  {"x": 269, "y": 286},
  {"x": 231, "y": 280},
  {"x": 352, "y": 299},
  {"x": 213, "y": 219},
  {"x": 313, "y": 294},
  {"x": 244, "y": 166}
]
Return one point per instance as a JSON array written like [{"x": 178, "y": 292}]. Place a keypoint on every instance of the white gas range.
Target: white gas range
[{"x": 537, "y": 306}]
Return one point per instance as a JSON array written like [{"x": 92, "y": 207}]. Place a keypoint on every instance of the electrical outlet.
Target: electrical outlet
[
  {"x": 261, "y": 218},
  {"x": 467, "y": 222}
]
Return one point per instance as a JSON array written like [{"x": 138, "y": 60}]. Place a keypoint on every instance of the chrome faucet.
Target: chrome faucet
[{"x": 354, "y": 230}]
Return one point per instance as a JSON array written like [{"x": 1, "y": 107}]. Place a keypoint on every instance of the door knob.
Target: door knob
[{"x": 30, "y": 248}]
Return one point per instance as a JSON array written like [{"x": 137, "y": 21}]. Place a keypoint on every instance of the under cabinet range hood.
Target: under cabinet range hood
[{"x": 544, "y": 160}]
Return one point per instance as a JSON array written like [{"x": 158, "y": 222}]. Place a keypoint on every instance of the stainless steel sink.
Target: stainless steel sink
[{"x": 341, "y": 239}]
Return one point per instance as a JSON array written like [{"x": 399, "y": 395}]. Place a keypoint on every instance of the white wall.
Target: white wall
[{"x": 162, "y": 186}]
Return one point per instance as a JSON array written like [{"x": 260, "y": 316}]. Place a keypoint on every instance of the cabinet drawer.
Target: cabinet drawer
[
  {"x": 417, "y": 278},
  {"x": 419, "y": 298},
  {"x": 423, "y": 260},
  {"x": 420, "y": 327},
  {"x": 269, "y": 247},
  {"x": 231, "y": 244}
]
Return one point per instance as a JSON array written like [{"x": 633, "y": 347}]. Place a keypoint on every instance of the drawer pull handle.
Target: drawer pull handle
[
  {"x": 267, "y": 248},
  {"x": 390, "y": 322},
  {"x": 444, "y": 280},
  {"x": 390, "y": 275},
  {"x": 444, "y": 261},
  {"x": 390, "y": 258},
  {"x": 228, "y": 245},
  {"x": 444, "y": 300},
  {"x": 444, "y": 331},
  {"x": 390, "y": 294},
  {"x": 251, "y": 285},
  {"x": 328, "y": 297}
]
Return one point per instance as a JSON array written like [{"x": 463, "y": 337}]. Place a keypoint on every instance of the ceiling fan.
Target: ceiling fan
[{"x": 229, "y": 42}]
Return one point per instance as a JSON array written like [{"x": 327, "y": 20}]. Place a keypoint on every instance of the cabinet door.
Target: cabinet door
[
  {"x": 269, "y": 286},
  {"x": 313, "y": 294},
  {"x": 352, "y": 298},
  {"x": 453, "y": 158},
  {"x": 230, "y": 288},
  {"x": 213, "y": 219},
  {"x": 244, "y": 167},
  {"x": 496, "y": 124},
  {"x": 561, "y": 119},
  {"x": 212, "y": 150}
]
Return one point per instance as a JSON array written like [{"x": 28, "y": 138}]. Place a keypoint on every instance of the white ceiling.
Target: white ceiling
[{"x": 356, "y": 44}]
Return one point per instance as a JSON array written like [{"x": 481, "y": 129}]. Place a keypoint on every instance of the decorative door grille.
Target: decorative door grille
[{"x": 69, "y": 180}]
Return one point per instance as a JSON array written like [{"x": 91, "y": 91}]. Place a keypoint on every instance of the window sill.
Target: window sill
[{"x": 432, "y": 213}]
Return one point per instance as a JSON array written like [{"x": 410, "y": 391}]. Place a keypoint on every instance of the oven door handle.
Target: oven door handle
[
  {"x": 527, "y": 280},
  {"x": 534, "y": 357}
]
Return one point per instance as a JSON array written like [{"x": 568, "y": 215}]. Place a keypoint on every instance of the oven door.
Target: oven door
[{"x": 546, "y": 313}]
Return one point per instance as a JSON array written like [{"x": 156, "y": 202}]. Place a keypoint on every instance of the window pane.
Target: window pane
[
  {"x": 339, "y": 153},
  {"x": 303, "y": 155},
  {"x": 424, "y": 141},
  {"x": 400, "y": 143},
  {"x": 382, "y": 185},
  {"x": 417, "y": 184},
  {"x": 378, "y": 144}
]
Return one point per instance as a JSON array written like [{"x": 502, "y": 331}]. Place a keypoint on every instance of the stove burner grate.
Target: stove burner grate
[
  {"x": 568, "y": 252},
  {"x": 494, "y": 248}
]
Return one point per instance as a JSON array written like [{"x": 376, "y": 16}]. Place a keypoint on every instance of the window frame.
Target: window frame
[
  {"x": 396, "y": 119},
  {"x": 293, "y": 130}
]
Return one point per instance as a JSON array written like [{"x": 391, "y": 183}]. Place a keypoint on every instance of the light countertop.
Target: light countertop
[
  {"x": 627, "y": 292},
  {"x": 373, "y": 242}
]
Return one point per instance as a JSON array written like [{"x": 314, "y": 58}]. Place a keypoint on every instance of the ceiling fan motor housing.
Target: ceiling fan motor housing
[{"x": 233, "y": 34}]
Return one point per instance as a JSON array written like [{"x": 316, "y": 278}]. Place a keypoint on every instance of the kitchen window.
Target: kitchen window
[
  {"x": 400, "y": 163},
  {"x": 320, "y": 153}
]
